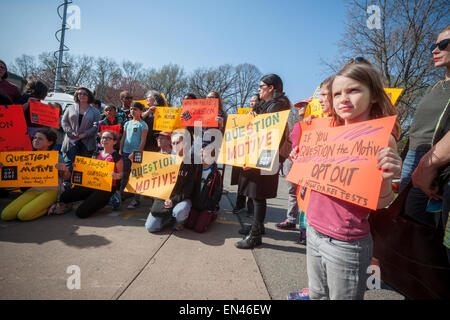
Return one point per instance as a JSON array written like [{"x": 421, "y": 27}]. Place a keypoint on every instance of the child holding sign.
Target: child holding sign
[
  {"x": 95, "y": 199},
  {"x": 339, "y": 246},
  {"x": 35, "y": 202}
]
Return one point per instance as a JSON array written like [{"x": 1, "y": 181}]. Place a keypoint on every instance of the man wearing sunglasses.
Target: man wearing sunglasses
[{"x": 428, "y": 157}]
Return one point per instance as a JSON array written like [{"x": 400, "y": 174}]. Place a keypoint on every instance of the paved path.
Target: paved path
[{"x": 119, "y": 259}]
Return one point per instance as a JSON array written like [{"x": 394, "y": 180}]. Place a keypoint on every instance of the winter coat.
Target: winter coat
[{"x": 251, "y": 183}]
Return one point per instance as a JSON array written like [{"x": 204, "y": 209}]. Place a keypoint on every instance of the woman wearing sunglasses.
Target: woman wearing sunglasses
[
  {"x": 253, "y": 183},
  {"x": 430, "y": 114}
]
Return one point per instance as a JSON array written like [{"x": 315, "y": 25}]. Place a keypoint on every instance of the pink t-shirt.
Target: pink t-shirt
[
  {"x": 110, "y": 158},
  {"x": 337, "y": 218},
  {"x": 295, "y": 135}
]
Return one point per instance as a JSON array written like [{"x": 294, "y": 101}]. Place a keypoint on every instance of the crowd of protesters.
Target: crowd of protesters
[{"x": 336, "y": 232}]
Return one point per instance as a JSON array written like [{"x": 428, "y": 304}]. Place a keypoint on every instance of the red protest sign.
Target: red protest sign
[
  {"x": 204, "y": 110},
  {"x": 115, "y": 128},
  {"x": 342, "y": 161},
  {"x": 44, "y": 114},
  {"x": 13, "y": 129}
]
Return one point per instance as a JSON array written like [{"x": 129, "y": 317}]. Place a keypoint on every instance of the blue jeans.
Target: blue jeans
[
  {"x": 292, "y": 210},
  {"x": 337, "y": 270},
  {"x": 76, "y": 150},
  {"x": 180, "y": 212},
  {"x": 417, "y": 201}
]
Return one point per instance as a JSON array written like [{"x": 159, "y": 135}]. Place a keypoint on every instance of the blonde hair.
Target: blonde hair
[{"x": 370, "y": 77}]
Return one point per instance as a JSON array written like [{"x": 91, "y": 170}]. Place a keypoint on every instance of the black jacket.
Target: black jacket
[
  {"x": 208, "y": 197},
  {"x": 251, "y": 183},
  {"x": 181, "y": 191}
]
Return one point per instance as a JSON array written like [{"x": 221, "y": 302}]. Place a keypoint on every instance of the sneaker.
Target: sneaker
[
  {"x": 302, "y": 237},
  {"x": 133, "y": 204},
  {"x": 286, "y": 225},
  {"x": 115, "y": 201},
  {"x": 301, "y": 295}
]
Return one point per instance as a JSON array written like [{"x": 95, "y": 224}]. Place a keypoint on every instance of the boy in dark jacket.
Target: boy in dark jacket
[
  {"x": 207, "y": 192},
  {"x": 176, "y": 209}
]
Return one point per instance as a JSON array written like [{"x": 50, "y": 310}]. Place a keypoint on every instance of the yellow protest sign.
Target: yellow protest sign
[
  {"x": 92, "y": 173},
  {"x": 155, "y": 176},
  {"x": 253, "y": 141},
  {"x": 144, "y": 102},
  {"x": 29, "y": 169},
  {"x": 393, "y": 94},
  {"x": 167, "y": 119},
  {"x": 243, "y": 110},
  {"x": 314, "y": 107}
]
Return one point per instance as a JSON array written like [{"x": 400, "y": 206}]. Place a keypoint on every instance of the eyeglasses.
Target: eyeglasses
[
  {"x": 441, "y": 45},
  {"x": 106, "y": 138}
]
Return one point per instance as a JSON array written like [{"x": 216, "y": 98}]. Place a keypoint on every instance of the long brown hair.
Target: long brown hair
[{"x": 370, "y": 77}]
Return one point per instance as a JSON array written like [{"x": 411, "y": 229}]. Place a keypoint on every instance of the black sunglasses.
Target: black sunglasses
[
  {"x": 441, "y": 45},
  {"x": 359, "y": 60}
]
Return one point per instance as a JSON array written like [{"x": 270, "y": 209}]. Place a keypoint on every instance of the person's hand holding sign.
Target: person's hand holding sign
[
  {"x": 391, "y": 164},
  {"x": 168, "y": 204},
  {"x": 220, "y": 121}
]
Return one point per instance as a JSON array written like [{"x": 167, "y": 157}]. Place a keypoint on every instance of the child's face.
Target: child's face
[
  {"x": 207, "y": 157},
  {"x": 40, "y": 142},
  {"x": 107, "y": 140},
  {"x": 351, "y": 100},
  {"x": 323, "y": 98},
  {"x": 135, "y": 112}
]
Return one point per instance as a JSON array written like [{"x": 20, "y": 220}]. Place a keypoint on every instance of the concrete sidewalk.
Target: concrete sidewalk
[{"x": 119, "y": 259}]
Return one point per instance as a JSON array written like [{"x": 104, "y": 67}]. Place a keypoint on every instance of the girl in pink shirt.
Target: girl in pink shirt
[{"x": 339, "y": 245}]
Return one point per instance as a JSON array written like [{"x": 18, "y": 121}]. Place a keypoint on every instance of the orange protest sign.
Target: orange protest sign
[
  {"x": 204, "y": 111},
  {"x": 339, "y": 161},
  {"x": 29, "y": 169},
  {"x": 115, "y": 128},
  {"x": 303, "y": 194},
  {"x": 44, "y": 114},
  {"x": 13, "y": 129},
  {"x": 155, "y": 175}
]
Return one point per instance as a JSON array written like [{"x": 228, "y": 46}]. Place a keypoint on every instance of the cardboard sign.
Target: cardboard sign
[
  {"x": 204, "y": 111},
  {"x": 115, "y": 128},
  {"x": 144, "y": 102},
  {"x": 393, "y": 94},
  {"x": 341, "y": 161},
  {"x": 13, "y": 129},
  {"x": 155, "y": 176},
  {"x": 253, "y": 141},
  {"x": 243, "y": 110},
  {"x": 167, "y": 119},
  {"x": 314, "y": 108},
  {"x": 303, "y": 194},
  {"x": 44, "y": 114},
  {"x": 92, "y": 173},
  {"x": 29, "y": 169}
]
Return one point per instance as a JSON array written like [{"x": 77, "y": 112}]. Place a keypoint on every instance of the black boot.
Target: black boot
[
  {"x": 253, "y": 239},
  {"x": 245, "y": 230}
]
